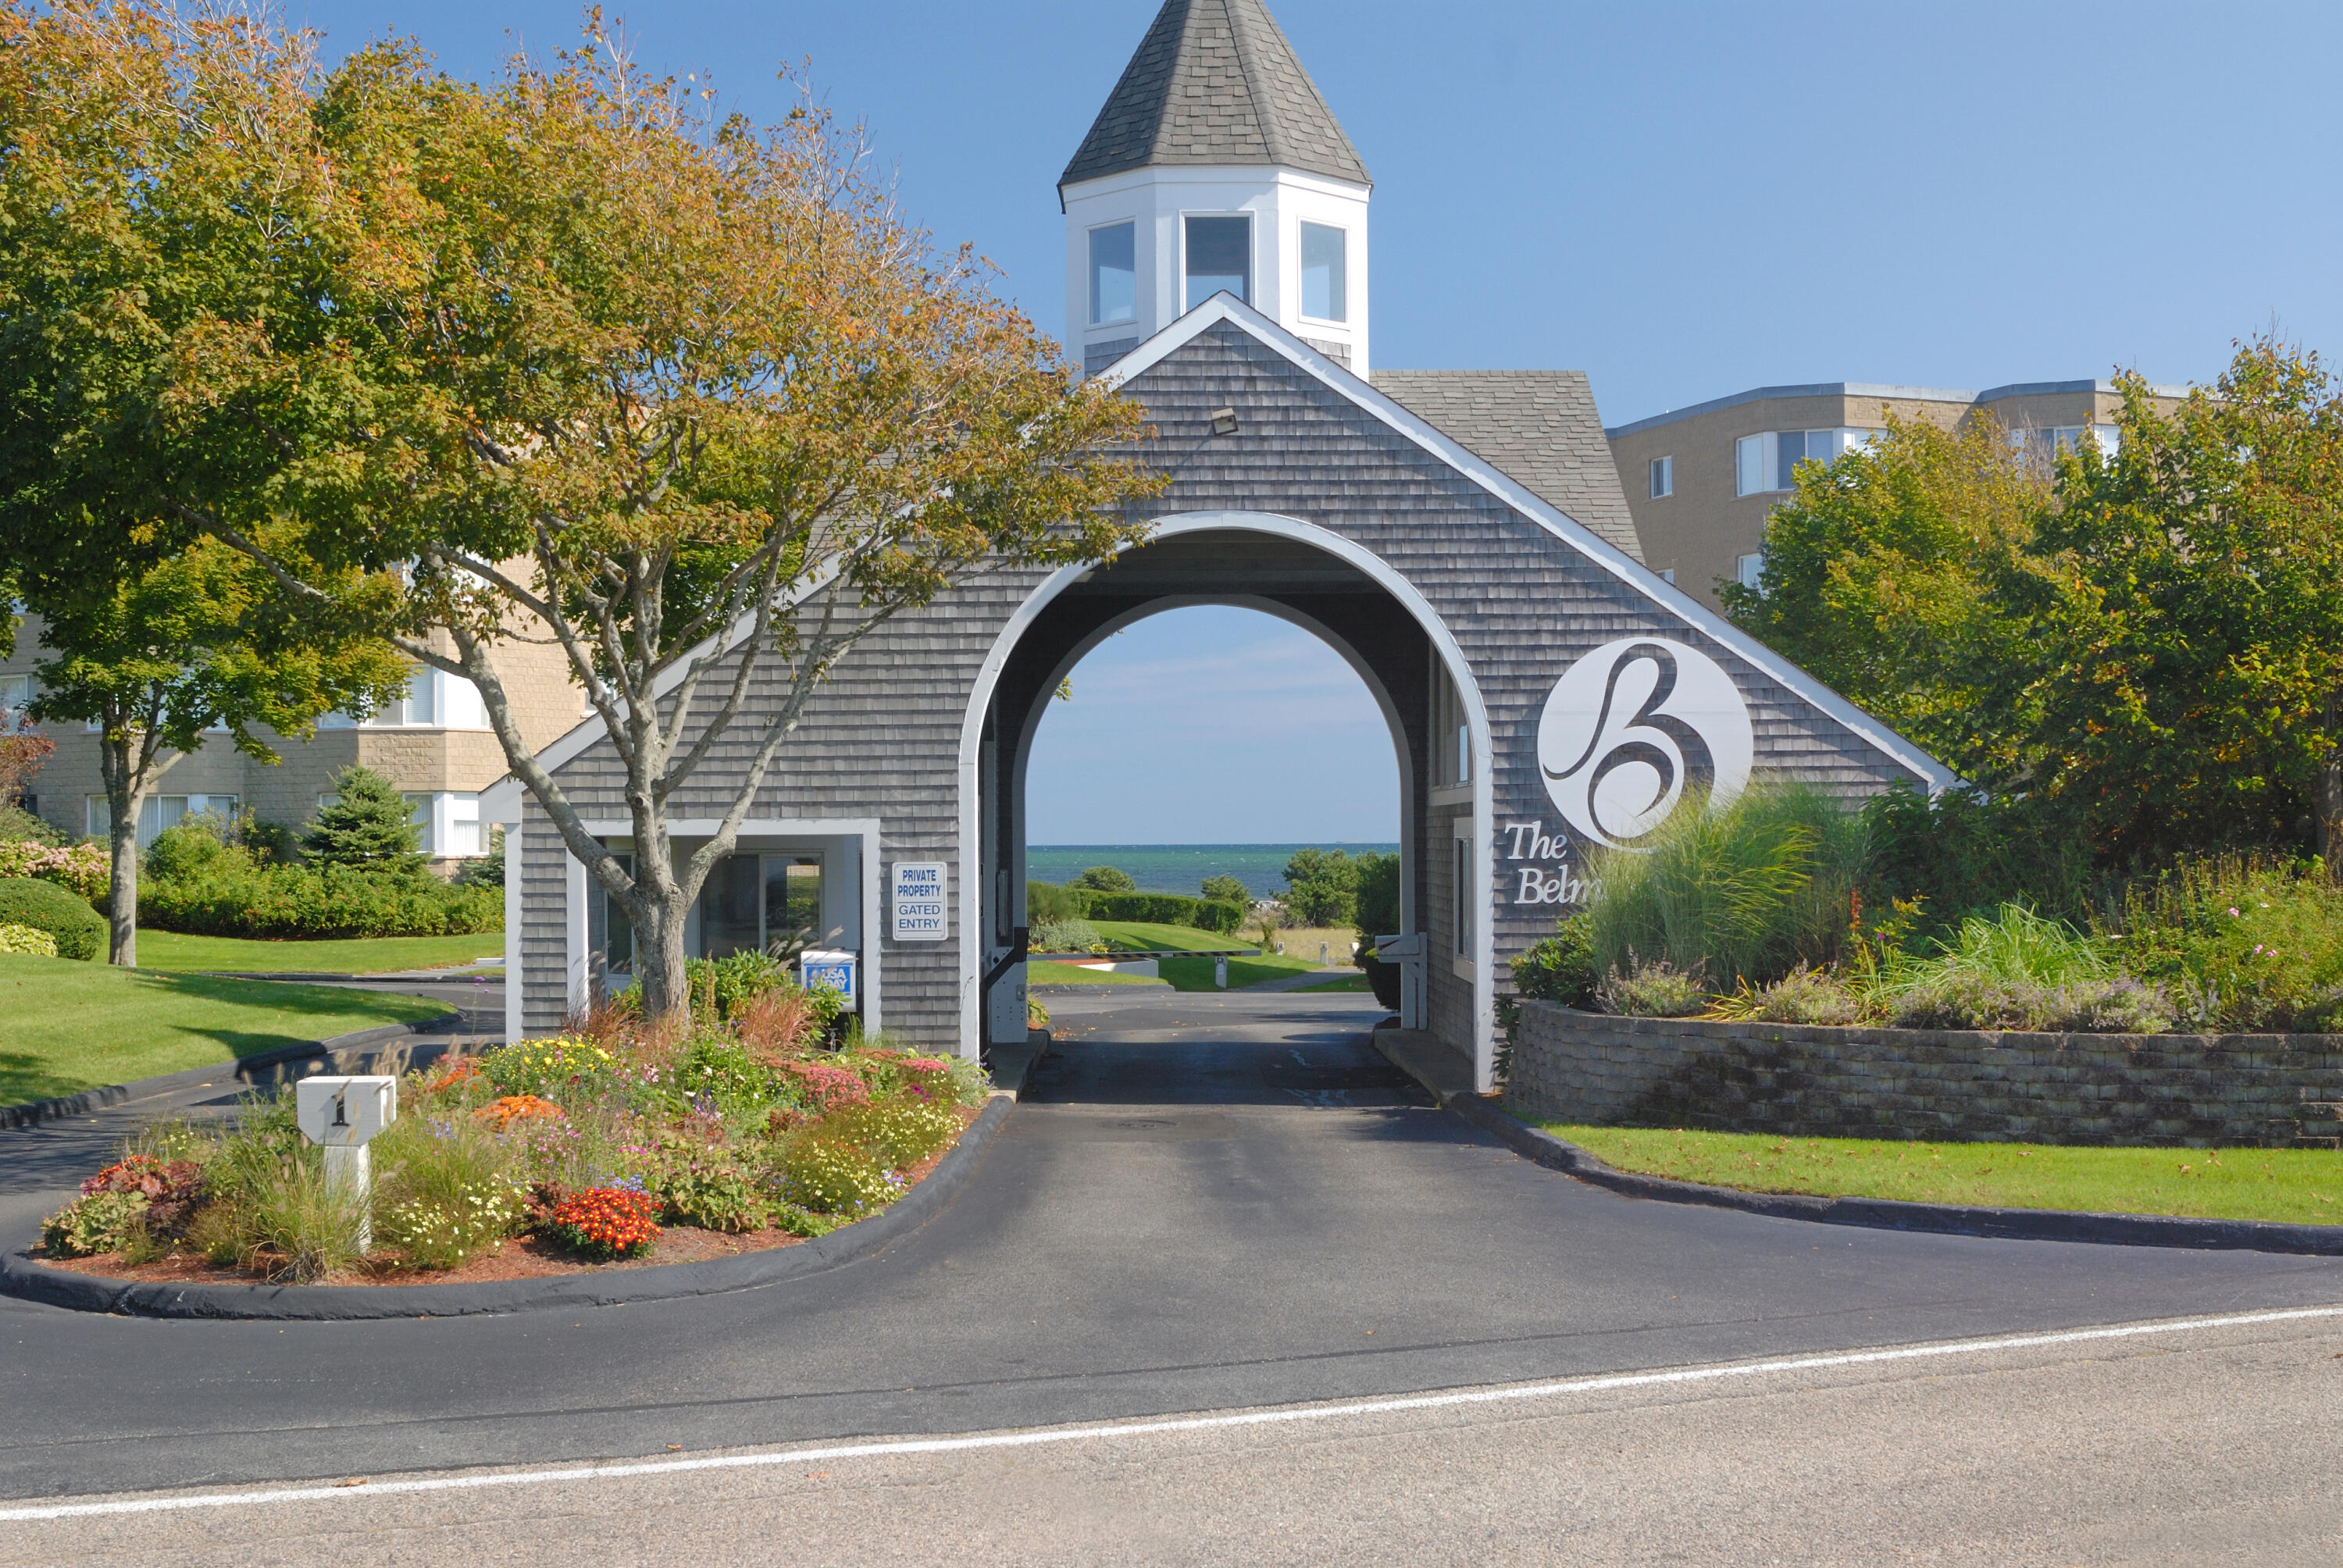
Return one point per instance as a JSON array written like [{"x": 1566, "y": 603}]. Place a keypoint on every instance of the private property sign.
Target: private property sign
[{"x": 918, "y": 899}]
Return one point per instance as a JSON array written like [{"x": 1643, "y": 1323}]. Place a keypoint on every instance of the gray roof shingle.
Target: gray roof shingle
[
  {"x": 1539, "y": 427},
  {"x": 1215, "y": 82}
]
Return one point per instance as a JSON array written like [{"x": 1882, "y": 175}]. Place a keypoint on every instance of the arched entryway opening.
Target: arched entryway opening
[{"x": 1312, "y": 578}]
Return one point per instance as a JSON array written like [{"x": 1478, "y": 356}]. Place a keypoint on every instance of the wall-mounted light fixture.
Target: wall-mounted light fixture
[{"x": 1224, "y": 421}]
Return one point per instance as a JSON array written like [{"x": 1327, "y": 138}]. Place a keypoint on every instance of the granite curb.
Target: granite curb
[
  {"x": 25, "y": 1277},
  {"x": 1887, "y": 1213},
  {"x": 252, "y": 1069}
]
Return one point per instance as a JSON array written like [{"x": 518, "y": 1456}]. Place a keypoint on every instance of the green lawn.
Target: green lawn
[
  {"x": 1196, "y": 974},
  {"x": 361, "y": 956},
  {"x": 1044, "y": 971},
  {"x": 2298, "y": 1185},
  {"x": 1144, "y": 935},
  {"x": 74, "y": 1026}
]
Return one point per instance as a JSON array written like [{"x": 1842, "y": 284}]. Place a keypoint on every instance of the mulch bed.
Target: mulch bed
[{"x": 520, "y": 1258}]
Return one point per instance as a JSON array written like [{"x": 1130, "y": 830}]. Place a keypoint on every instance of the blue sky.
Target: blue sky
[{"x": 1683, "y": 200}]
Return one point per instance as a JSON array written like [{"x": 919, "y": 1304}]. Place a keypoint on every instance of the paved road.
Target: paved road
[
  {"x": 1208, "y": 1202},
  {"x": 2210, "y": 1446}
]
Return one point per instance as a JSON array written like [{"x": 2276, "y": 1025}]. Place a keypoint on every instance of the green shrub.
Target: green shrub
[
  {"x": 1227, "y": 889},
  {"x": 100, "y": 1222},
  {"x": 195, "y": 883},
  {"x": 1744, "y": 893},
  {"x": 1654, "y": 989},
  {"x": 1561, "y": 968},
  {"x": 1047, "y": 902},
  {"x": 486, "y": 870},
  {"x": 1073, "y": 936},
  {"x": 2239, "y": 944},
  {"x": 367, "y": 826},
  {"x": 1960, "y": 853},
  {"x": 2109, "y": 1005},
  {"x": 733, "y": 982},
  {"x": 1802, "y": 996},
  {"x": 79, "y": 930},
  {"x": 17, "y": 824},
  {"x": 701, "y": 1184},
  {"x": 1106, "y": 879},
  {"x": 1376, "y": 899},
  {"x": 719, "y": 1069},
  {"x": 896, "y": 1131},
  {"x": 564, "y": 1067},
  {"x": 25, "y": 940}
]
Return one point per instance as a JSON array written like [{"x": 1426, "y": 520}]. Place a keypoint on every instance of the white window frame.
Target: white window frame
[
  {"x": 1301, "y": 240},
  {"x": 1749, "y": 570},
  {"x": 98, "y": 813},
  {"x": 1090, "y": 263},
  {"x": 1660, "y": 478},
  {"x": 1252, "y": 250}
]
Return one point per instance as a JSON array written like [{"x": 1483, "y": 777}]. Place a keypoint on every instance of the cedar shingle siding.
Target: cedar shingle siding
[{"x": 1521, "y": 602}]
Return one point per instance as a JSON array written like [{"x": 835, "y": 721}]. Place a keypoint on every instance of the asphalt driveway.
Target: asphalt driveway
[{"x": 1205, "y": 1201}]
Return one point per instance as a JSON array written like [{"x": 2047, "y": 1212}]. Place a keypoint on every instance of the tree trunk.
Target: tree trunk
[{"x": 122, "y": 899}]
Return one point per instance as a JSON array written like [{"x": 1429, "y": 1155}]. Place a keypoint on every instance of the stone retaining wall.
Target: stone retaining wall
[{"x": 2252, "y": 1089}]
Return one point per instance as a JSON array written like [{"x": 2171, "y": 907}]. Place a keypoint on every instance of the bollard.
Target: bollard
[
  {"x": 1221, "y": 971},
  {"x": 342, "y": 1115}
]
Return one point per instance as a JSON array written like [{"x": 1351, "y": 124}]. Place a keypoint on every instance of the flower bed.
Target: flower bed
[{"x": 604, "y": 1149}]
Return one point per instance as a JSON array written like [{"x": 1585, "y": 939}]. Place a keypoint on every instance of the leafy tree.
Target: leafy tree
[
  {"x": 186, "y": 650},
  {"x": 157, "y": 226},
  {"x": 1107, "y": 879},
  {"x": 1377, "y": 896},
  {"x": 367, "y": 825},
  {"x": 1885, "y": 577},
  {"x": 1322, "y": 887},
  {"x": 1227, "y": 890},
  {"x": 2186, "y": 619},
  {"x": 683, "y": 394}
]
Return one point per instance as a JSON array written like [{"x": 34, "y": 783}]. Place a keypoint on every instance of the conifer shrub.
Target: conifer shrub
[{"x": 368, "y": 826}]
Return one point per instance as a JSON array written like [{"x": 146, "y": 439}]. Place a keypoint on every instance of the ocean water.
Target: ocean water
[{"x": 1179, "y": 868}]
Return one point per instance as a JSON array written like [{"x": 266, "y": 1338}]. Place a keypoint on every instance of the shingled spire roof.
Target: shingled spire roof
[{"x": 1215, "y": 82}]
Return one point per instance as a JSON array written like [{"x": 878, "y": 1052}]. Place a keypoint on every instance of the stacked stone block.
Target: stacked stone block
[{"x": 1793, "y": 1080}]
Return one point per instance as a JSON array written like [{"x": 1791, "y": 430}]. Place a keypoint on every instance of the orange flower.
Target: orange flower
[{"x": 513, "y": 1108}]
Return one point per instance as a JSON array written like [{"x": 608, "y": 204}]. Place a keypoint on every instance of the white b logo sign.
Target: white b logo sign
[{"x": 1630, "y": 727}]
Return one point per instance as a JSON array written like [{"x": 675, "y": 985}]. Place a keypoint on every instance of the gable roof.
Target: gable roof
[
  {"x": 1598, "y": 550},
  {"x": 1538, "y": 425},
  {"x": 1214, "y": 82}
]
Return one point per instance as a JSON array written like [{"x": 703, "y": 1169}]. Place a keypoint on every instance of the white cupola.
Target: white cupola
[{"x": 1215, "y": 166}]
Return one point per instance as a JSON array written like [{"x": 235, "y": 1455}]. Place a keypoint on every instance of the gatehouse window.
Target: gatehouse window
[
  {"x": 758, "y": 903},
  {"x": 1220, "y": 258},
  {"x": 1324, "y": 282},
  {"x": 1114, "y": 274}
]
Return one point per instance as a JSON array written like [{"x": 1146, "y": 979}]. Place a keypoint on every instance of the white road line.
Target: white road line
[{"x": 345, "y": 1491}]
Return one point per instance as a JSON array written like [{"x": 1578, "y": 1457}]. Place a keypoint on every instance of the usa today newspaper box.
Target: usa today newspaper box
[{"x": 819, "y": 967}]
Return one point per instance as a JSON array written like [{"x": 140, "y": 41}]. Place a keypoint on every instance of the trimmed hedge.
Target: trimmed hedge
[
  {"x": 80, "y": 930},
  {"x": 1159, "y": 909},
  {"x": 297, "y": 901}
]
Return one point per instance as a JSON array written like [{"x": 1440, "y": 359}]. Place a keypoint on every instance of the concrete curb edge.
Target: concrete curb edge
[
  {"x": 1892, "y": 1214},
  {"x": 26, "y": 1278},
  {"x": 246, "y": 1068}
]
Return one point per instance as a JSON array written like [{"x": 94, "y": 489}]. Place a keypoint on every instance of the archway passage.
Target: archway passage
[{"x": 1280, "y": 573}]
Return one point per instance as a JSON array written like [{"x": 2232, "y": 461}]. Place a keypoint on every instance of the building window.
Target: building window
[
  {"x": 1663, "y": 477},
  {"x": 1768, "y": 461},
  {"x": 1668, "y": 575},
  {"x": 451, "y": 820},
  {"x": 433, "y": 697},
  {"x": 609, "y": 931},
  {"x": 1465, "y": 899},
  {"x": 158, "y": 812},
  {"x": 1220, "y": 258},
  {"x": 1114, "y": 274},
  {"x": 1749, "y": 570},
  {"x": 1324, "y": 284},
  {"x": 15, "y": 696},
  {"x": 2060, "y": 438},
  {"x": 760, "y": 903}
]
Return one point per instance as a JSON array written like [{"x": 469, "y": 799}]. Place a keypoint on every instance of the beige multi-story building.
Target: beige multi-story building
[
  {"x": 434, "y": 743},
  {"x": 1700, "y": 480}
]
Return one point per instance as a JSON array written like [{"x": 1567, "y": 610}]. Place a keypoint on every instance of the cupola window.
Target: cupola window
[
  {"x": 1322, "y": 272},
  {"x": 1220, "y": 258},
  {"x": 1114, "y": 274}
]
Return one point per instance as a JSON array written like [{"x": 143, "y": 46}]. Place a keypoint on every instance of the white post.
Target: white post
[
  {"x": 1221, "y": 971},
  {"x": 343, "y": 1115}
]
